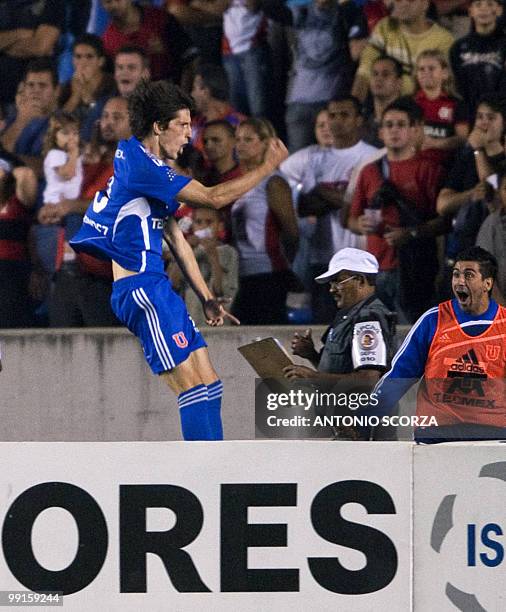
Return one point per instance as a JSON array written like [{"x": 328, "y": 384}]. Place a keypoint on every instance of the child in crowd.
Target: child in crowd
[
  {"x": 218, "y": 262},
  {"x": 63, "y": 172},
  {"x": 445, "y": 120},
  {"x": 63, "y": 166}
]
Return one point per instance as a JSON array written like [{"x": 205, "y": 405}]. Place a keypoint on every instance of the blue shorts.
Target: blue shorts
[{"x": 149, "y": 307}]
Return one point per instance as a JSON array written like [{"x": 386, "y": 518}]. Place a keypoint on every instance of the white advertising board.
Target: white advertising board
[
  {"x": 460, "y": 527},
  {"x": 294, "y": 525}
]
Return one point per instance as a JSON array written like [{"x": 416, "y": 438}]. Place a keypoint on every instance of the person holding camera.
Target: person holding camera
[{"x": 394, "y": 206}]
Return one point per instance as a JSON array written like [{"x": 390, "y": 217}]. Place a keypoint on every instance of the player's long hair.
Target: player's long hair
[{"x": 155, "y": 102}]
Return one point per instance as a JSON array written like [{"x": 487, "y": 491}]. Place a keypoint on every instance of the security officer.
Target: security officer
[{"x": 359, "y": 345}]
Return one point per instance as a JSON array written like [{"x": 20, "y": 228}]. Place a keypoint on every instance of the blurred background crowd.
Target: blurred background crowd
[{"x": 394, "y": 113}]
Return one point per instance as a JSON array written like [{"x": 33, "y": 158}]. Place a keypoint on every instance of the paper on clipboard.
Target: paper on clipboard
[{"x": 267, "y": 357}]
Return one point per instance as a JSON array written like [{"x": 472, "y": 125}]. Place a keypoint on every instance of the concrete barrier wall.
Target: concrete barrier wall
[{"x": 93, "y": 385}]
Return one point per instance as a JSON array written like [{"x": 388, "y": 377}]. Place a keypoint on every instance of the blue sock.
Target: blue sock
[
  {"x": 195, "y": 423},
  {"x": 215, "y": 393}
]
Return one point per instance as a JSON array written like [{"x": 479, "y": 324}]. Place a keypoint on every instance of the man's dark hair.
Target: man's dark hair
[
  {"x": 43, "y": 64},
  {"x": 486, "y": 261},
  {"x": 157, "y": 101},
  {"x": 399, "y": 71},
  {"x": 91, "y": 40},
  {"x": 223, "y": 123},
  {"x": 215, "y": 79},
  {"x": 495, "y": 102},
  {"x": 349, "y": 98},
  {"x": 407, "y": 105},
  {"x": 134, "y": 50}
]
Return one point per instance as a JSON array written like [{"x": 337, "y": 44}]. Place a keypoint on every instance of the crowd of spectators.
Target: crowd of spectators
[{"x": 394, "y": 112}]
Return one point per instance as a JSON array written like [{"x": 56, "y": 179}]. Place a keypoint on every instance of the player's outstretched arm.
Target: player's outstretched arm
[
  {"x": 220, "y": 195},
  {"x": 185, "y": 258}
]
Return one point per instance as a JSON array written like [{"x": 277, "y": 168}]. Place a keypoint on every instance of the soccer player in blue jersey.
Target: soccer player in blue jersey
[
  {"x": 126, "y": 224},
  {"x": 458, "y": 349}
]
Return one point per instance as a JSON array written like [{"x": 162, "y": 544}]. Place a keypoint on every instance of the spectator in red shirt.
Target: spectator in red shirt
[
  {"x": 445, "y": 117},
  {"x": 131, "y": 66},
  {"x": 165, "y": 42},
  {"x": 219, "y": 148},
  {"x": 220, "y": 166},
  {"x": 18, "y": 189},
  {"x": 394, "y": 205},
  {"x": 210, "y": 92},
  {"x": 219, "y": 145}
]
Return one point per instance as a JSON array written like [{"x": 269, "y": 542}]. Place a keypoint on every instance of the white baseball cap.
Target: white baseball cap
[{"x": 354, "y": 260}]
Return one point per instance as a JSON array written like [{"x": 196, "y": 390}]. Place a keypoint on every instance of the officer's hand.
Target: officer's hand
[
  {"x": 297, "y": 371},
  {"x": 303, "y": 345}
]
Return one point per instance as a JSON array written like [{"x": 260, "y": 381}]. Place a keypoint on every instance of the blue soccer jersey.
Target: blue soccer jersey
[{"x": 125, "y": 222}]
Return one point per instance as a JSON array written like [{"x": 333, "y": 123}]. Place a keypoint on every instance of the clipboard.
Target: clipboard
[{"x": 267, "y": 357}]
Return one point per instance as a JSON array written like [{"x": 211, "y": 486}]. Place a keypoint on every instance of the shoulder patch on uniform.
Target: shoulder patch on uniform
[
  {"x": 368, "y": 334},
  {"x": 368, "y": 347}
]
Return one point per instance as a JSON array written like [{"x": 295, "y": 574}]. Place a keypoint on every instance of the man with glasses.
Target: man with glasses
[
  {"x": 394, "y": 206},
  {"x": 358, "y": 346}
]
